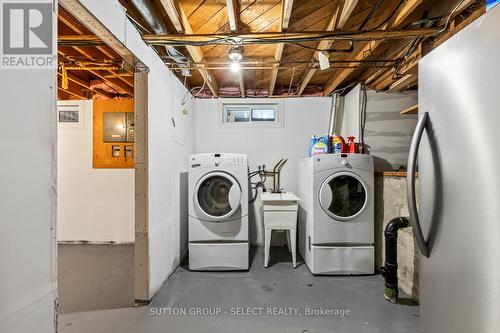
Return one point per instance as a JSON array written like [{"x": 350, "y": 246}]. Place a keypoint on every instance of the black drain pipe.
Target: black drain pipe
[{"x": 390, "y": 270}]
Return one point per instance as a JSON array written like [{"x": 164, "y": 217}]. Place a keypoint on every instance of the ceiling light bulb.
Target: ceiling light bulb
[{"x": 235, "y": 66}]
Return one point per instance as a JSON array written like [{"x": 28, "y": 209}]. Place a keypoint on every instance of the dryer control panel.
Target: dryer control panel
[
  {"x": 217, "y": 160},
  {"x": 348, "y": 161}
]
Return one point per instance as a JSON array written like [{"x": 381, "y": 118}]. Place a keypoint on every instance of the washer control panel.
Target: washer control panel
[{"x": 217, "y": 160}]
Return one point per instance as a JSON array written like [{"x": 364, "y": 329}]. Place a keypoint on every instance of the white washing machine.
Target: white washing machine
[
  {"x": 218, "y": 212},
  {"x": 336, "y": 214}
]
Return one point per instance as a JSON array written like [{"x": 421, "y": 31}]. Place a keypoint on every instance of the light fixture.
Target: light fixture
[
  {"x": 235, "y": 66},
  {"x": 235, "y": 55}
]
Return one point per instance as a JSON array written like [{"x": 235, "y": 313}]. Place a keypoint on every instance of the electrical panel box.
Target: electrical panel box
[
  {"x": 113, "y": 131},
  {"x": 118, "y": 126}
]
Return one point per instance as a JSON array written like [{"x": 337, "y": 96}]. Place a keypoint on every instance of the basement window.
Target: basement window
[
  {"x": 70, "y": 115},
  {"x": 242, "y": 115}
]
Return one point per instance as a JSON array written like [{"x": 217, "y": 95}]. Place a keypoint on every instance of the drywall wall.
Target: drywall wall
[
  {"x": 28, "y": 199},
  {"x": 387, "y": 133},
  {"x": 169, "y": 145},
  {"x": 302, "y": 117},
  {"x": 94, "y": 205}
]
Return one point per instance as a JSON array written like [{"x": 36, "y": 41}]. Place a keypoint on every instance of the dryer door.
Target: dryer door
[
  {"x": 217, "y": 196},
  {"x": 343, "y": 196}
]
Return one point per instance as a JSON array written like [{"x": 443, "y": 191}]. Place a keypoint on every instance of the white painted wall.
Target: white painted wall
[
  {"x": 28, "y": 200},
  {"x": 350, "y": 115},
  {"x": 95, "y": 205},
  {"x": 169, "y": 147},
  {"x": 387, "y": 133},
  {"x": 302, "y": 118}
]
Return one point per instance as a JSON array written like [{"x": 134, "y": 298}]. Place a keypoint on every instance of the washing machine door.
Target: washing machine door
[
  {"x": 217, "y": 196},
  {"x": 343, "y": 196}
]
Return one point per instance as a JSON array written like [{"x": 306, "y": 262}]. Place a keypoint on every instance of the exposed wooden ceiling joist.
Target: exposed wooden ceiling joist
[
  {"x": 404, "y": 83},
  {"x": 286, "y": 12},
  {"x": 408, "y": 7},
  {"x": 241, "y": 83},
  {"x": 233, "y": 14},
  {"x": 323, "y": 45},
  {"x": 72, "y": 92},
  {"x": 347, "y": 9},
  {"x": 179, "y": 19},
  {"x": 93, "y": 54},
  {"x": 384, "y": 78},
  {"x": 173, "y": 9},
  {"x": 338, "y": 79},
  {"x": 84, "y": 84},
  {"x": 83, "y": 15}
]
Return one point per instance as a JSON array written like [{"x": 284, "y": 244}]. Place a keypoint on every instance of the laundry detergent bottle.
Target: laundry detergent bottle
[
  {"x": 321, "y": 146},
  {"x": 338, "y": 144},
  {"x": 312, "y": 142}
]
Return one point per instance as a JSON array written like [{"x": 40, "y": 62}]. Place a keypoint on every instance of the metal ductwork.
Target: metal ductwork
[
  {"x": 333, "y": 114},
  {"x": 155, "y": 22}
]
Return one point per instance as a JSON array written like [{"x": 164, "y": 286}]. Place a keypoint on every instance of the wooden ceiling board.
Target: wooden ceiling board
[
  {"x": 205, "y": 12},
  {"x": 218, "y": 23},
  {"x": 315, "y": 21},
  {"x": 268, "y": 20},
  {"x": 302, "y": 9},
  {"x": 190, "y": 6}
]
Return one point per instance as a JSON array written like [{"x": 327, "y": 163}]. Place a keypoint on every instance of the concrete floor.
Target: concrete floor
[
  {"x": 94, "y": 277},
  {"x": 276, "y": 299}
]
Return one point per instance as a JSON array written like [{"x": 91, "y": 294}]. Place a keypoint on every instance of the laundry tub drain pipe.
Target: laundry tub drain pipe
[{"x": 390, "y": 270}]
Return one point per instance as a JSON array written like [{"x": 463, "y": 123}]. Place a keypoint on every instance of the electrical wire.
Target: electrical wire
[
  {"x": 362, "y": 117},
  {"x": 370, "y": 15},
  {"x": 389, "y": 17},
  {"x": 449, "y": 16}
]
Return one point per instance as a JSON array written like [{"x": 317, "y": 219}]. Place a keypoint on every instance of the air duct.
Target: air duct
[
  {"x": 155, "y": 22},
  {"x": 333, "y": 114}
]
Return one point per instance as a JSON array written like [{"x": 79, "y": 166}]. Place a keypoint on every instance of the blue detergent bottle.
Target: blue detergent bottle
[
  {"x": 321, "y": 146},
  {"x": 312, "y": 142}
]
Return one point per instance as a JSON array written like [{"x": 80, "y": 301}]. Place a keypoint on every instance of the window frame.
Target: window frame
[
  {"x": 71, "y": 106},
  {"x": 277, "y": 123}
]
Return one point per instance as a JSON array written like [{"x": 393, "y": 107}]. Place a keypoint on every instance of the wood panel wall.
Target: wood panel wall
[{"x": 102, "y": 151}]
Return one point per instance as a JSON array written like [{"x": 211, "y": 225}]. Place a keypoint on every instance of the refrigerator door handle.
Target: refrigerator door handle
[{"x": 410, "y": 183}]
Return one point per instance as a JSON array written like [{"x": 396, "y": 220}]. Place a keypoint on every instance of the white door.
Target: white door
[{"x": 217, "y": 196}]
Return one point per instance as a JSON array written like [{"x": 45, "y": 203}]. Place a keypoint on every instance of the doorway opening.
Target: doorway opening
[{"x": 96, "y": 181}]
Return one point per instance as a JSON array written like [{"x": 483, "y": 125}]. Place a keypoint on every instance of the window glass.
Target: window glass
[
  {"x": 263, "y": 114},
  {"x": 237, "y": 115},
  {"x": 66, "y": 116}
]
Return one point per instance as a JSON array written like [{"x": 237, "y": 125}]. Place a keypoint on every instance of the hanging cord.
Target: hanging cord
[
  {"x": 362, "y": 117},
  {"x": 291, "y": 81}
]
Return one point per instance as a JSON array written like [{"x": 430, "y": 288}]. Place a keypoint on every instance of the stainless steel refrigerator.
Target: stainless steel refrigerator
[{"x": 457, "y": 145}]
